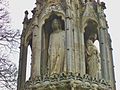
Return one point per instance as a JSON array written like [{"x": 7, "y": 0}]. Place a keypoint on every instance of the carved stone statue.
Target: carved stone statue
[
  {"x": 93, "y": 57},
  {"x": 56, "y": 50}
]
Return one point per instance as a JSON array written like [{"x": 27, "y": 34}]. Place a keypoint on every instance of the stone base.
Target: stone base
[{"x": 67, "y": 83}]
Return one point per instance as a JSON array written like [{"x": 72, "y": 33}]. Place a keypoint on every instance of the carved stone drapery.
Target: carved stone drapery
[
  {"x": 93, "y": 58},
  {"x": 56, "y": 49}
]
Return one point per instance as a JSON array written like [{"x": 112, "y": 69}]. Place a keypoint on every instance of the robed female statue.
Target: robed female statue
[
  {"x": 56, "y": 49},
  {"x": 93, "y": 58}
]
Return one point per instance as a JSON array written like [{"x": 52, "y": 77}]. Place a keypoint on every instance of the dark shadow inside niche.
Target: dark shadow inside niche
[
  {"x": 90, "y": 29},
  {"x": 47, "y": 26},
  {"x": 46, "y": 31}
]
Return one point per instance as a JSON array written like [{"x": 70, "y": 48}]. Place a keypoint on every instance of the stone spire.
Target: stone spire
[{"x": 26, "y": 17}]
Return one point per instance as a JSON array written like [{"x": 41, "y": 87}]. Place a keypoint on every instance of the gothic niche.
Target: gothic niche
[
  {"x": 92, "y": 54},
  {"x": 53, "y": 38}
]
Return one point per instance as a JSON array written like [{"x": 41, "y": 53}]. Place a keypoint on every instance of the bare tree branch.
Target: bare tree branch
[{"x": 9, "y": 41}]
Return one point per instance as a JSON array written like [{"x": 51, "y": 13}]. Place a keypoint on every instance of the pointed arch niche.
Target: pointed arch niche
[
  {"x": 90, "y": 29},
  {"x": 46, "y": 31}
]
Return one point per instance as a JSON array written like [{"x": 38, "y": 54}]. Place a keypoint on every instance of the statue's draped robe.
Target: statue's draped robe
[
  {"x": 92, "y": 59},
  {"x": 56, "y": 52}
]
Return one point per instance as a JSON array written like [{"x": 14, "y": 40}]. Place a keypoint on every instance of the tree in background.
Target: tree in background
[{"x": 9, "y": 41}]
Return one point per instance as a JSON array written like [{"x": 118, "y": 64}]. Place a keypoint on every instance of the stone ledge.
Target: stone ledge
[{"x": 67, "y": 82}]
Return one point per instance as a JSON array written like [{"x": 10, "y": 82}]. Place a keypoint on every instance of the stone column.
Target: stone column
[
  {"x": 82, "y": 53},
  {"x": 22, "y": 66},
  {"x": 81, "y": 44},
  {"x": 76, "y": 50},
  {"x": 23, "y": 56},
  {"x": 110, "y": 64},
  {"x": 36, "y": 50},
  {"x": 103, "y": 53},
  {"x": 44, "y": 54},
  {"x": 68, "y": 41}
]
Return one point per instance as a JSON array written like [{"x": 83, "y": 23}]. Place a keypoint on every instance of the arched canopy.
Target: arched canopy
[
  {"x": 50, "y": 10},
  {"x": 89, "y": 21},
  {"x": 47, "y": 25}
]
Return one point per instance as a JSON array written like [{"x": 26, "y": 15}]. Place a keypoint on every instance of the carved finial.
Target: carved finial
[
  {"x": 26, "y": 12},
  {"x": 62, "y": 76},
  {"x": 103, "y": 5},
  {"x": 34, "y": 11},
  {"x": 26, "y": 17}
]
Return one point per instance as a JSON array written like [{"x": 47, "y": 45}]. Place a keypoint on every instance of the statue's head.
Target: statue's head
[
  {"x": 93, "y": 36},
  {"x": 56, "y": 24}
]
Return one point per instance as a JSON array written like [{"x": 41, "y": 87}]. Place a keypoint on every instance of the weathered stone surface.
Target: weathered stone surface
[
  {"x": 56, "y": 49},
  {"x": 92, "y": 56},
  {"x": 68, "y": 82},
  {"x": 63, "y": 55}
]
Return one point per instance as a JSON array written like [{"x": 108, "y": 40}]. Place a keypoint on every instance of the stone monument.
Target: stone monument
[{"x": 61, "y": 35}]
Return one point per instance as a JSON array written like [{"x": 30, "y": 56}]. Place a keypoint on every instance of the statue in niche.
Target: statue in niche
[
  {"x": 56, "y": 49},
  {"x": 93, "y": 57}
]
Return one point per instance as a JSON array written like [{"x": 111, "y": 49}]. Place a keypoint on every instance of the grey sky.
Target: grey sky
[{"x": 17, "y": 8}]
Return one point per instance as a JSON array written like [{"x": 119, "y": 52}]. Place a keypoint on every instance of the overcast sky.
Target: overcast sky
[{"x": 17, "y": 8}]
